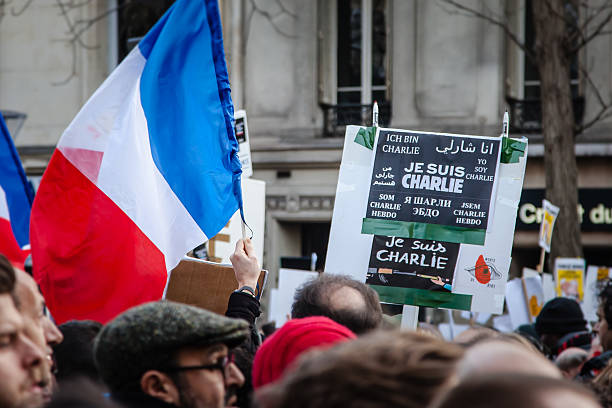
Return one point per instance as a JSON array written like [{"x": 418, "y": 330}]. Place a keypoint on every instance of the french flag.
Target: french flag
[
  {"x": 147, "y": 170},
  {"x": 16, "y": 197}
]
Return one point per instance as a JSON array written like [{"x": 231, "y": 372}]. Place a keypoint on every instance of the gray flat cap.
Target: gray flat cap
[{"x": 138, "y": 339}]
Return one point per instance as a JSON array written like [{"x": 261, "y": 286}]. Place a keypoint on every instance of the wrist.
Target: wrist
[
  {"x": 252, "y": 284},
  {"x": 249, "y": 290}
]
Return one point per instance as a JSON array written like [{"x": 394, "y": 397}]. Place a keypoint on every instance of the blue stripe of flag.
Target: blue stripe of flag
[
  {"x": 186, "y": 98},
  {"x": 19, "y": 192}
]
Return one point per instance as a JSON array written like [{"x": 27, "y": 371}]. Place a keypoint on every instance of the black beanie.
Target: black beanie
[{"x": 560, "y": 316}]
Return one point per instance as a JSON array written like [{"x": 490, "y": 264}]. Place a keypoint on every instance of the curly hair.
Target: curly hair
[
  {"x": 314, "y": 299},
  {"x": 381, "y": 369},
  {"x": 605, "y": 301}
]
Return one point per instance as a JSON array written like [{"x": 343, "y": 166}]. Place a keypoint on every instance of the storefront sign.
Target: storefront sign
[{"x": 594, "y": 209}]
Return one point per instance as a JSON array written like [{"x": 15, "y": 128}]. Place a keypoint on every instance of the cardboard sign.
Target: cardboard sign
[
  {"x": 222, "y": 245},
  {"x": 421, "y": 179},
  {"x": 596, "y": 277},
  {"x": 549, "y": 216},
  {"x": 478, "y": 278},
  {"x": 205, "y": 284},
  {"x": 569, "y": 277},
  {"x": 244, "y": 146}
]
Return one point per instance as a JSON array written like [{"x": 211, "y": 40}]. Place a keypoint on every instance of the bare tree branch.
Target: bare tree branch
[
  {"x": 20, "y": 12},
  {"x": 270, "y": 17},
  {"x": 599, "y": 30},
  {"x": 605, "y": 107},
  {"x": 495, "y": 21}
]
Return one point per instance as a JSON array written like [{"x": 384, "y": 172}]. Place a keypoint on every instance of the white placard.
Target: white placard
[
  {"x": 223, "y": 244},
  {"x": 282, "y": 297},
  {"x": 549, "y": 216},
  {"x": 515, "y": 300},
  {"x": 569, "y": 278},
  {"x": 349, "y": 250},
  {"x": 548, "y": 287},
  {"x": 244, "y": 145},
  {"x": 595, "y": 275}
]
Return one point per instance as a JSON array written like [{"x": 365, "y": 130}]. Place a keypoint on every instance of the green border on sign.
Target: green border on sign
[
  {"x": 422, "y": 297},
  {"x": 409, "y": 229},
  {"x": 512, "y": 150}
]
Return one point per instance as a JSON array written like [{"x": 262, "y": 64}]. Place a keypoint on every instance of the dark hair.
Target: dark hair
[
  {"x": 7, "y": 276},
  {"x": 508, "y": 391},
  {"x": 80, "y": 393},
  {"x": 602, "y": 386},
  {"x": 314, "y": 299},
  {"x": 74, "y": 356},
  {"x": 605, "y": 301},
  {"x": 381, "y": 369}
]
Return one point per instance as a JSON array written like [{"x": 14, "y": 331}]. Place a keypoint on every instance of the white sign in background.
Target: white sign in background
[
  {"x": 349, "y": 250},
  {"x": 224, "y": 243},
  {"x": 244, "y": 145}
]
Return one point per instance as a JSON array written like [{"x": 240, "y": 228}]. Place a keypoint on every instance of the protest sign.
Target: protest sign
[
  {"x": 244, "y": 145},
  {"x": 281, "y": 298},
  {"x": 222, "y": 245},
  {"x": 569, "y": 278},
  {"x": 205, "y": 284},
  {"x": 549, "y": 216},
  {"x": 515, "y": 301},
  {"x": 548, "y": 286},
  {"x": 524, "y": 298},
  {"x": 412, "y": 263},
  {"x": 425, "y": 268},
  {"x": 596, "y": 277},
  {"x": 432, "y": 186}
]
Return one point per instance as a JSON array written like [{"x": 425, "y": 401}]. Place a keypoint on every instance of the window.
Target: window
[
  {"x": 355, "y": 62},
  {"x": 531, "y": 81},
  {"x": 136, "y": 17},
  {"x": 523, "y": 93},
  {"x": 362, "y": 67}
]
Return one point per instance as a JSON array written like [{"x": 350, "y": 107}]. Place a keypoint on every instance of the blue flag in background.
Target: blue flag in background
[{"x": 19, "y": 192}]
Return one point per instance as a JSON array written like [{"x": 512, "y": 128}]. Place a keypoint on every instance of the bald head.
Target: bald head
[
  {"x": 347, "y": 298},
  {"x": 570, "y": 361},
  {"x": 497, "y": 357},
  {"x": 342, "y": 299}
]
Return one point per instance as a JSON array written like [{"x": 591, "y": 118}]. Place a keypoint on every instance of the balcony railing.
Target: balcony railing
[
  {"x": 336, "y": 117},
  {"x": 526, "y": 114}
]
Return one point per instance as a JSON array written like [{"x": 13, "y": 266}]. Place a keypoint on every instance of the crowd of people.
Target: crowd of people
[{"x": 337, "y": 350}]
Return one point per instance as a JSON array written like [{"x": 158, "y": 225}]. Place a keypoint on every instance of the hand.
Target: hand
[
  {"x": 246, "y": 266},
  {"x": 437, "y": 280}
]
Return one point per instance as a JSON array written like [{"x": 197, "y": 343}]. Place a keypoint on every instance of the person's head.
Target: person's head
[
  {"x": 381, "y": 369},
  {"x": 521, "y": 390},
  {"x": 344, "y": 300},
  {"x": 74, "y": 355},
  {"x": 504, "y": 356},
  {"x": 570, "y": 361},
  {"x": 20, "y": 358},
  {"x": 39, "y": 328},
  {"x": 474, "y": 335},
  {"x": 558, "y": 317},
  {"x": 602, "y": 386},
  {"x": 177, "y": 353},
  {"x": 604, "y": 315},
  {"x": 295, "y": 338},
  {"x": 80, "y": 392}
]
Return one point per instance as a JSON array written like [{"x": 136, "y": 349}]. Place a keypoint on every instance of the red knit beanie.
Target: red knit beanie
[{"x": 290, "y": 341}]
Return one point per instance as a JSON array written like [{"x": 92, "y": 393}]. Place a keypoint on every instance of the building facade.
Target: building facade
[{"x": 303, "y": 70}]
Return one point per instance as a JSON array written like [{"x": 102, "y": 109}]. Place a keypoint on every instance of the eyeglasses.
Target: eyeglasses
[{"x": 220, "y": 365}]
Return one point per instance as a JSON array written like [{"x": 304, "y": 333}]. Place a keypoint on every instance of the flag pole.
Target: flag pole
[{"x": 540, "y": 267}]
